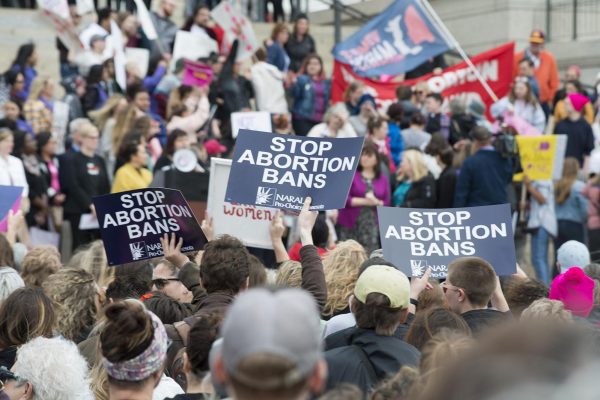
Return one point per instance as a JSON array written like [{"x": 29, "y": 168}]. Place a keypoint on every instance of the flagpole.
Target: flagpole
[{"x": 453, "y": 42}]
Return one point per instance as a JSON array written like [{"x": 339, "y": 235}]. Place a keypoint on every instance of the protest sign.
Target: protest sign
[
  {"x": 280, "y": 171},
  {"x": 118, "y": 47},
  {"x": 132, "y": 223},
  {"x": 60, "y": 121},
  {"x": 236, "y": 26},
  {"x": 540, "y": 159},
  {"x": 252, "y": 120},
  {"x": 248, "y": 223},
  {"x": 84, "y": 6},
  {"x": 398, "y": 40},
  {"x": 55, "y": 13},
  {"x": 417, "y": 239},
  {"x": 145, "y": 20},
  {"x": 559, "y": 156},
  {"x": 191, "y": 47},
  {"x": 10, "y": 199},
  {"x": 496, "y": 67},
  {"x": 197, "y": 74},
  {"x": 139, "y": 57}
]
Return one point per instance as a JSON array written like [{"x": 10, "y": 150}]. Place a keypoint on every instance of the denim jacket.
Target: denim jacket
[{"x": 304, "y": 97}]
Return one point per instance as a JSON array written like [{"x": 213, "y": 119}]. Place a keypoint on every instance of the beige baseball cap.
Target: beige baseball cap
[{"x": 385, "y": 280}]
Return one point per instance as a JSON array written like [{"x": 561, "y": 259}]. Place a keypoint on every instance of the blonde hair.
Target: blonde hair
[
  {"x": 37, "y": 87},
  {"x": 73, "y": 293},
  {"x": 336, "y": 109},
  {"x": 86, "y": 129},
  {"x": 442, "y": 350},
  {"x": 124, "y": 123},
  {"x": 417, "y": 164},
  {"x": 289, "y": 274},
  {"x": 103, "y": 114},
  {"x": 94, "y": 261},
  {"x": 569, "y": 176},
  {"x": 341, "y": 267},
  {"x": 546, "y": 309},
  {"x": 38, "y": 264}
]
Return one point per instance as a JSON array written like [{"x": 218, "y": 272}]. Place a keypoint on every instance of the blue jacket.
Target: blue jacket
[
  {"x": 483, "y": 180},
  {"x": 396, "y": 142},
  {"x": 277, "y": 56},
  {"x": 304, "y": 96}
]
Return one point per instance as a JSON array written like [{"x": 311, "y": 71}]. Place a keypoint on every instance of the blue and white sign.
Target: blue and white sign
[
  {"x": 398, "y": 40},
  {"x": 132, "y": 223},
  {"x": 416, "y": 239},
  {"x": 280, "y": 171}
]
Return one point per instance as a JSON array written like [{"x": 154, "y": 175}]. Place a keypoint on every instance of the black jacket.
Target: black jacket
[
  {"x": 479, "y": 320},
  {"x": 361, "y": 357},
  {"x": 422, "y": 193},
  {"x": 446, "y": 185},
  {"x": 298, "y": 50},
  {"x": 84, "y": 178},
  {"x": 461, "y": 126}
]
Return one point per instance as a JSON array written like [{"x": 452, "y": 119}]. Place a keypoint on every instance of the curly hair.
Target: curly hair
[
  {"x": 54, "y": 368},
  {"x": 38, "y": 264},
  {"x": 546, "y": 309},
  {"x": 521, "y": 292},
  {"x": 225, "y": 265},
  {"x": 430, "y": 322},
  {"x": 73, "y": 293},
  {"x": 289, "y": 274},
  {"x": 397, "y": 386},
  {"x": 341, "y": 267},
  {"x": 94, "y": 261}
]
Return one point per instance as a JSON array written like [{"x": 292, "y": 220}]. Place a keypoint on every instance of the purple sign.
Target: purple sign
[
  {"x": 132, "y": 223},
  {"x": 10, "y": 199},
  {"x": 415, "y": 239}
]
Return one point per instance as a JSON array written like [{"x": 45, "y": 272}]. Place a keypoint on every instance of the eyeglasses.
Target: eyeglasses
[
  {"x": 446, "y": 286},
  {"x": 160, "y": 283}
]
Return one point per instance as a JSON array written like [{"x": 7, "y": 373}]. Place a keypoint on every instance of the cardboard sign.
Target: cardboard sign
[
  {"x": 280, "y": 171},
  {"x": 495, "y": 65},
  {"x": 140, "y": 57},
  {"x": 10, "y": 199},
  {"x": 252, "y": 120},
  {"x": 197, "y": 74},
  {"x": 540, "y": 159},
  {"x": 248, "y": 223},
  {"x": 416, "y": 239},
  {"x": 397, "y": 40},
  {"x": 236, "y": 26},
  {"x": 192, "y": 47},
  {"x": 132, "y": 223}
]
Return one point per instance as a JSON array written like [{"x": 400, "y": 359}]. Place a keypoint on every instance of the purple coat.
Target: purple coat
[{"x": 381, "y": 187}]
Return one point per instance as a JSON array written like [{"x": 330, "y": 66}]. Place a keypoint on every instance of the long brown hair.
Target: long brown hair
[
  {"x": 563, "y": 187},
  {"x": 529, "y": 98},
  {"x": 307, "y": 60}
]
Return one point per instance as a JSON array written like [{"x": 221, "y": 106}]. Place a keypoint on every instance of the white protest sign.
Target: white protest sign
[
  {"x": 192, "y": 47},
  {"x": 116, "y": 37},
  {"x": 55, "y": 13},
  {"x": 141, "y": 58},
  {"x": 252, "y": 120},
  {"x": 559, "y": 156},
  {"x": 248, "y": 223},
  {"x": 85, "y": 6},
  {"x": 60, "y": 120},
  {"x": 145, "y": 20},
  {"x": 236, "y": 26}
]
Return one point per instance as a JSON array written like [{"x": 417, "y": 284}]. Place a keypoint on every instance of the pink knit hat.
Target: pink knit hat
[
  {"x": 576, "y": 290},
  {"x": 578, "y": 100}
]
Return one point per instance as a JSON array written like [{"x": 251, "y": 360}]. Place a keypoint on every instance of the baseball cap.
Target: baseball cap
[
  {"x": 213, "y": 147},
  {"x": 572, "y": 253},
  {"x": 282, "y": 323},
  {"x": 537, "y": 36},
  {"x": 385, "y": 280}
]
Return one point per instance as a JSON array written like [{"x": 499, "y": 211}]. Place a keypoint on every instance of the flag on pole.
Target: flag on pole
[{"x": 398, "y": 40}]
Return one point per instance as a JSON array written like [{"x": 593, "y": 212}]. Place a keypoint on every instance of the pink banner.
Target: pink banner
[{"x": 197, "y": 74}]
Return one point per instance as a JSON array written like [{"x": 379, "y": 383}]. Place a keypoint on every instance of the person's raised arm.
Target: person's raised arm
[
  {"x": 313, "y": 277},
  {"x": 498, "y": 300},
  {"x": 276, "y": 231},
  {"x": 417, "y": 285}
]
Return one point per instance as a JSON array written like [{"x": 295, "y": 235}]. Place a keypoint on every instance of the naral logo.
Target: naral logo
[
  {"x": 265, "y": 195},
  {"x": 138, "y": 250},
  {"x": 418, "y": 267}
]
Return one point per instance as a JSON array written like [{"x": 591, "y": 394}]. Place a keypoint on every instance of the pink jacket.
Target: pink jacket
[{"x": 593, "y": 195}]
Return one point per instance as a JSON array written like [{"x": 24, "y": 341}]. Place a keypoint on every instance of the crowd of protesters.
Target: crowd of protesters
[{"x": 327, "y": 316}]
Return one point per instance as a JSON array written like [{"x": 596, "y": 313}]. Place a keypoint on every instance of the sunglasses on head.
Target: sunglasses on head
[{"x": 160, "y": 283}]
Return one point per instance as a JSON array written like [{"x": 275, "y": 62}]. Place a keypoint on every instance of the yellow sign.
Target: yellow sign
[{"x": 537, "y": 157}]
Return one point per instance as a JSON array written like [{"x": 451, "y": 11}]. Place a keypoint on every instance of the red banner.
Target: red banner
[{"x": 496, "y": 67}]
